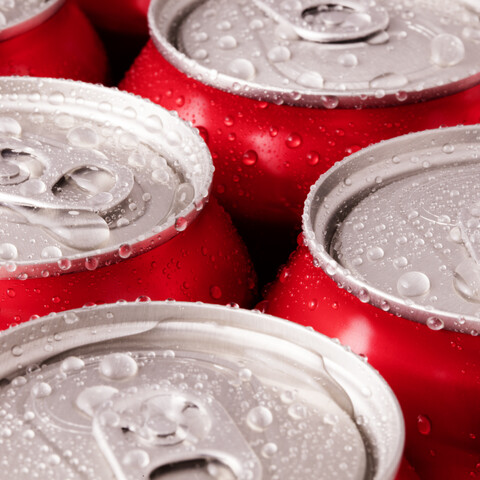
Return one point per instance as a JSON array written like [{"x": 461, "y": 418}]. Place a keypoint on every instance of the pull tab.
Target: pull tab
[
  {"x": 156, "y": 434},
  {"x": 328, "y": 22},
  {"x": 35, "y": 172}
]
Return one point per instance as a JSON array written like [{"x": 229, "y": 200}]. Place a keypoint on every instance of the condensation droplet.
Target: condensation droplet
[
  {"x": 51, "y": 252},
  {"x": 447, "y": 50},
  {"x": 83, "y": 137},
  {"x": 310, "y": 80},
  {"x": 279, "y": 54},
  {"x": 72, "y": 364},
  {"x": 389, "y": 81},
  {"x": 242, "y": 68},
  {"x": 259, "y": 418},
  {"x": 118, "y": 366},
  {"x": 375, "y": 253},
  {"x": 8, "y": 251},
  {"x": 41, "y": 390},
  {"x": 413, "y": 284},
  {"x": 348, "y": 60},
  {"x": 435, "y": 323}
]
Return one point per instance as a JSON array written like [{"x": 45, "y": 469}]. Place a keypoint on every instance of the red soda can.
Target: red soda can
[
  {"x": 283, "y": 90},
  {"x": 187, "y": 391},
  {"x": 50, "y": 39},
  {"x": 104, "y": 197},
  {"x": 390, "y": 267}
]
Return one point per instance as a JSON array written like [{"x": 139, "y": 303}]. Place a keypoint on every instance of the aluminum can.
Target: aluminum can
[
  {"x": 283, "y": 90},
  {"x": 104, "y": 197},
  {"x": 50, "y": 39},
  {"x": 390, "y": 267},
  {"x": 178, "y": 390}
]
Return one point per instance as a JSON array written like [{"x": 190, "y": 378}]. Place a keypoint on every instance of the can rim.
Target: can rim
[
  {"x": 301, "y": 97},
  {"x": 122, "y": 103},
  {"x": 350, "y": 366},
  {"x": 23, "y": 25},
  {"x": 319, "y": 248}
]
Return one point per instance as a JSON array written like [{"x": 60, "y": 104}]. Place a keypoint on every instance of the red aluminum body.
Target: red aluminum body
[
  {"x": 435, "y": 374},
  {"x": 121, "y": 16},
  {"x": 206, "y": 262},
  {"x": 267, "y": 156},
  {"x": 63, "y": 46}
]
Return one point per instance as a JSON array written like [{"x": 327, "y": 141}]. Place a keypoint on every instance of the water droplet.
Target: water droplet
[
  {"x": 447, "y": 50},
  {"x": 294, "y": 140},
  {"x": 413, "y": 284},
  {"x": 245, "y": 374},
  {"x": 181, "y": 224},
  {"x": 8, "y": 251},
  {"x": 269, "y": 450},
  {"x": 10, "y": 126},
  {"x": 348, "y": 60},
  {"x": 375, "y": 253},
  {"x": 118, "y": 366},
  {"x": 400, "y": 262},
  {"x": 70, "y": 317},
  {"x": 279, "y": 54},
  {"x": 310, "y": 80},
  {"x": 56, "y": 98},
  {"x": 125, "y": 250},
  {"x": 242, "y": 68},
  {"x": 137, "y": 458},
  {"x": 259, "y": 418},
  {"x": 250, "y": 158},
  {"x": 215, "y": 292},
  {"x": 363, "y": 296},
  {"x": 435, "y": 323},
  {"x": 17, "y": 351},
  {"x": 72, "y": 364},
  {"x": 466, "y": 280},
  {"x": 448, "y": 148},
  {"x": 64, "y": 264},
  {"x": 297, "y": 411},
  {"x": 41, "y": 390},
  {"x": 330, "y": 101},
  {"x": 91, "y": 263},
  {"x": 424, "y": 425},
  {"x": 389, "y": 81},
  {"x": 379, "y": 39},
  {"x": 227, "y": 42},
  {"x": 330, "y": 419},
  {"x": 51, "y": 252},
  {"x": 83, "y": 137},
  {"x": 91, "y": 398}
]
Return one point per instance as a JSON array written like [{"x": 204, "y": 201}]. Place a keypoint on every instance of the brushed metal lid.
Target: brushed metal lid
[
  {"x": 18, "y": 16},
  {"x": 349, "y": 53},
  {"x": 169, "y": 390},
  {"x": 90, "y": 175},
  {"x": 398, "y": 225}
]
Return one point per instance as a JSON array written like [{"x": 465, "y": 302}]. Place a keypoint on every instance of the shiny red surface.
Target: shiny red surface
[
  {"x": 435, "y": 374},
  {"x": 267, "y": 156},
  {"x": 122, "y": 16},
  {"x": 64, "y": 46},
  {"x": 206, "y": 262}
]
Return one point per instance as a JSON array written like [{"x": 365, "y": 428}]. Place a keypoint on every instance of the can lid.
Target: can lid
[
  {"x": 90, "y": 175},
  {"x": 398, "y": 225},
  {"x": 145, "y": 390},
  {"x": 347, "y": 53},
  {"x": 18, "y": 16}
]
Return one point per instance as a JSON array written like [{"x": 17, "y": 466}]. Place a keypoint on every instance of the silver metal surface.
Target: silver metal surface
[
  {"x": 18, "y": 16},
  {"x": 181, "y": 390},
  {"x": 349, "y": 53},
  {"x": 397, "y": 224},
  {"x": 88, "y": 173}
]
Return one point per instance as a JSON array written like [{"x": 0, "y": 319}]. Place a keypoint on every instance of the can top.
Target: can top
[
  {"x": 398, "y": 224},
  {"x": 18, "y": 16},
  {"x": 91, "y": 175},
  {"x": 347, "y": 53},
  {"x": 146, "y": 389}
]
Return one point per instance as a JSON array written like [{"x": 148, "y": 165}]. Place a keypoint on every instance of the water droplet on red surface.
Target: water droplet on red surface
[
  {"x": 215, "y": 292},
  {"x": 250, "y": 158},
  {"x": 294, "y": 140},
  {"x": 424, "y": 425}
]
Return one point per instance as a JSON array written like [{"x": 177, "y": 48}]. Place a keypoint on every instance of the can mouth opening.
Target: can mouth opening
[
  {"x": 442, "y": 66},
  {"x": 361, "y": 176},
  {"x": 146, "y": 185},
  {"x": 176, "y": 332},
  {"x": 24, "y": 16}
]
